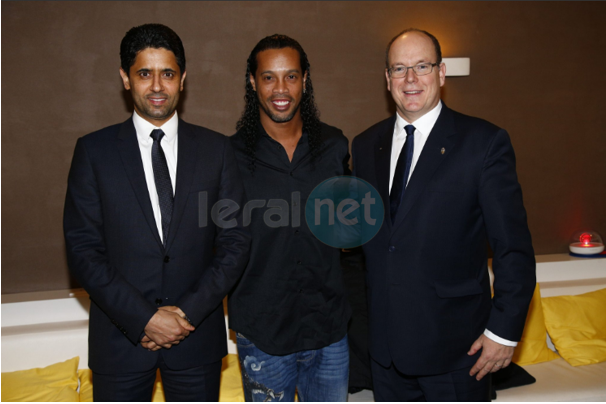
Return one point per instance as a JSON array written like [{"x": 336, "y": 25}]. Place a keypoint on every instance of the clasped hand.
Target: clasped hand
[{"x": 166, "y": 328}]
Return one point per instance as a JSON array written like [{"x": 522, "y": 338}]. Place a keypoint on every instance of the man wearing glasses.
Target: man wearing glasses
[{"x": 449, "y": 185}]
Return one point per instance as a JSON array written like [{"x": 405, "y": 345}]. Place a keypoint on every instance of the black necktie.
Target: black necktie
[
  {"x": 400, "y": 177},
  {"x": 164, "y": 187}
]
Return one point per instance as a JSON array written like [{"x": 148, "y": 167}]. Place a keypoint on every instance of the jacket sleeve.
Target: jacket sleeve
[
  {"x": 232, "y": 245},
  {"x": 514, "y": 267},
  {"x": 87, "y": 254}
]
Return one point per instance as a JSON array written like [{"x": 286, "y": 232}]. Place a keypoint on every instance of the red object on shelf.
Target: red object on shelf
[
  {"x": 586, "y": 242},
  {"x": 585, "y": 239}
]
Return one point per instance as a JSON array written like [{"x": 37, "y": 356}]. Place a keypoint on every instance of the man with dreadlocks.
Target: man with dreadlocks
[{"x": 289, "y": 310}]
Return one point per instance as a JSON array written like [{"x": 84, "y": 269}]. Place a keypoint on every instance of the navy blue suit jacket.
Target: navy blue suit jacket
[
  {"x": 428, "y": 284},
  {"x": 114, "y": 249}
]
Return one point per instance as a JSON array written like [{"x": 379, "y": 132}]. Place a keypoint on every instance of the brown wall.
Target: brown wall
[{"x": 536, "y": 70}]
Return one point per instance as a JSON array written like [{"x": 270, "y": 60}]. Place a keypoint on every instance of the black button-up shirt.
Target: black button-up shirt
[{"x": 291, "y": 296}]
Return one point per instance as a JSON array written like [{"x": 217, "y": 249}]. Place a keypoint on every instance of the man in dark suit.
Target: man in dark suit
[
  {"x": 139, "y": 240},
  {"x": 449, "y": 185}
]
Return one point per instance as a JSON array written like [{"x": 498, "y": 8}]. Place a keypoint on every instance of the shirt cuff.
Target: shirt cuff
[{"x": 499, "y": 340}]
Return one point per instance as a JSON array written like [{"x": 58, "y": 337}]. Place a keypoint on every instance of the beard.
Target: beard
[
  {"x": 143, "y": 107},
  {"x": 278, "y": 118}
]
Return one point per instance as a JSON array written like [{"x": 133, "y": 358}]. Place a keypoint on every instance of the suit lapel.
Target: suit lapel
[
  {"x": 186, "y": 166},
  {"x": 383, "y": 162},
  {"x": 131, "y": 158},
  {"x": 441, "y": 136}
]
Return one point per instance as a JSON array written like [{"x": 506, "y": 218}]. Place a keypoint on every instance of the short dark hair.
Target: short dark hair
[
  {"x": 434, "y": 40},
  {"x": 150, "y": 36}
]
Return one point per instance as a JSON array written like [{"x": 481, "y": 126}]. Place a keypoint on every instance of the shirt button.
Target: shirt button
[
  {"x": 392, "y": 248},
  {"x": 158, "y": 302},
  {"x": 166, "y": 259}
]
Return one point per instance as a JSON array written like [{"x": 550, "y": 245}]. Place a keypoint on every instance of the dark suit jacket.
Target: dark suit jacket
[
  {"x": 114, "y": 249},
  {"x": 428, "y": 284}
]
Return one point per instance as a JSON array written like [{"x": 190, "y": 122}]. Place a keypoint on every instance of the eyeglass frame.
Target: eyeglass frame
[{"x": 413, "y": 70}]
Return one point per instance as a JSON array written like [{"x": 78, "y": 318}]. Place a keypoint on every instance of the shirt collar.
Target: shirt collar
[
  {"x": 424, "y": 124},
  {"x": 263, "y": 133},
  {"x": 144, "y": 128}
]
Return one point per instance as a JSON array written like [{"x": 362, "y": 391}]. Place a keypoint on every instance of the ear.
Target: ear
[
  {"x": 388, "y": 81},
  {"x": 125, "y": 79},
  {"x": 252, "y": 82},
  {"x": 442, "y": 73},
  {"x": 183, "y": 80}
]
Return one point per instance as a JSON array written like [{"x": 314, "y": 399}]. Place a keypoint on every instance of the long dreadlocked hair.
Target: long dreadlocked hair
[{"x": 250, "y": 118}]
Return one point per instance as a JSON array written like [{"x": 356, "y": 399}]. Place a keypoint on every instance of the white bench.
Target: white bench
[
  {"x": 39, "y": 329},
  {"x": 561, "y": 274}
]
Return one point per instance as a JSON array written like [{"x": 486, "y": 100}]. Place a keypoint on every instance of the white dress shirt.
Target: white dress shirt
[
  {"x": 169, "y": 145},
  {"x": 423, "y": 127}
]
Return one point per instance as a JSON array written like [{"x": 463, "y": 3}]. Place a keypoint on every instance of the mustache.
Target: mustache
[
  {"x": 157, "y": 95},
  {"x": 281, "y": 98}
]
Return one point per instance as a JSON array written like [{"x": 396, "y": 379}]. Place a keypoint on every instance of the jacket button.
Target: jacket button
[
  {"x": 392, "y": 248},
  {"x": 166, "y": 259},
  {"x": 158, "y": 302}
]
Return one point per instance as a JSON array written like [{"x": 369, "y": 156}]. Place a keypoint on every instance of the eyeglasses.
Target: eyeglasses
[{"x": 421, "y": 69}]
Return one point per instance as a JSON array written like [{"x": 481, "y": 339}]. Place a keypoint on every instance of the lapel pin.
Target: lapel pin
[{"x": 443, "y": 150}]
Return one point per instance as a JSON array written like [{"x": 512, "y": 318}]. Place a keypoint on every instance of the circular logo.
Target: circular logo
[{"x": 344, "y": 212}]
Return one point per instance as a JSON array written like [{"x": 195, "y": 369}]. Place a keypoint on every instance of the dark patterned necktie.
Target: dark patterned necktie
[
  {"x": 400, "y": 177},
  {"x": 164, "y": 187}
]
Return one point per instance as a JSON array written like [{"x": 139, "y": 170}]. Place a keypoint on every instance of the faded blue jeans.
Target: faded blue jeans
[{"x": 318, "y": 375}]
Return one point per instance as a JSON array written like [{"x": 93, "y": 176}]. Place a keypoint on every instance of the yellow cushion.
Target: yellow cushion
[
  {"x": 57, "y": 382},
  {"x": 577, "y": 326},
  {"x": 86, "y": 385},
  {"x": 231, "y": 383},
  {"x": 231, "y": 380},
  {"x": 158, "y": 394},
  {"x": 533, "y": 348}
]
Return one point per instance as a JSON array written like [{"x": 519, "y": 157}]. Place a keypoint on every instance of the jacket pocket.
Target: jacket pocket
[
  {"x": 203, "y": 186},
  {"x": 458, "y": 288}
]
